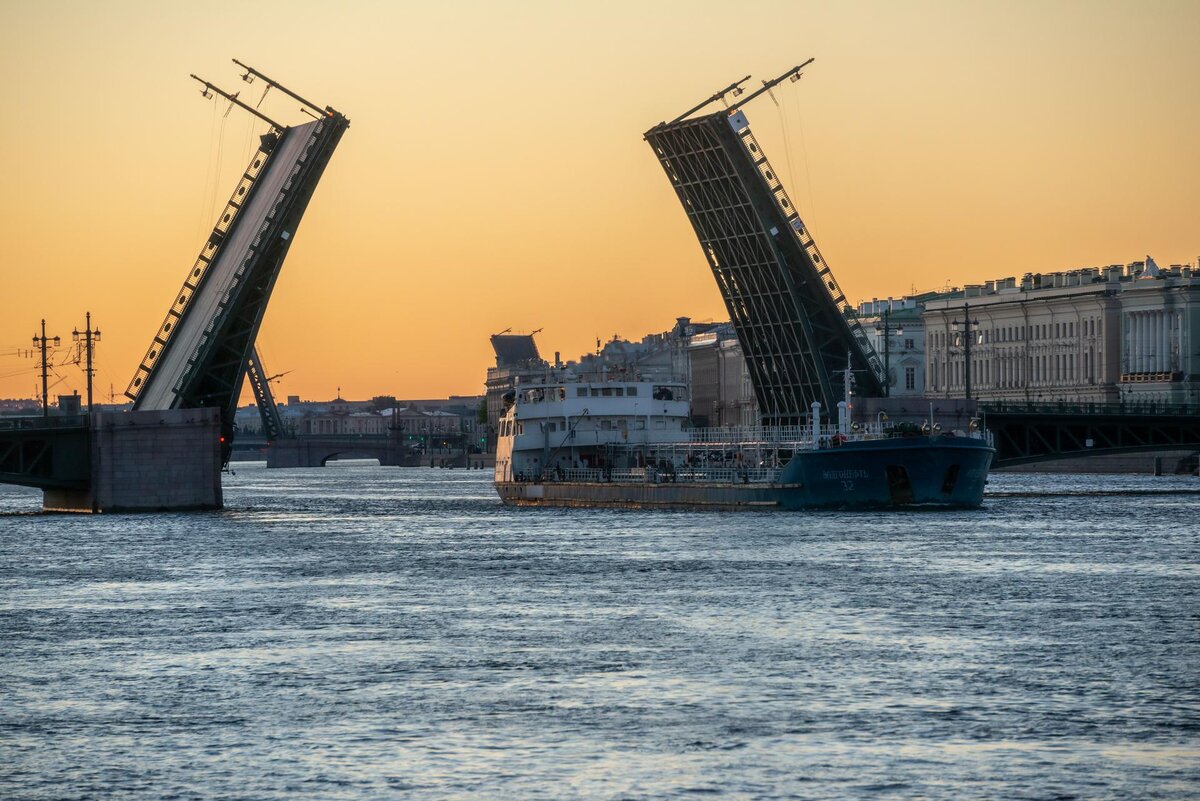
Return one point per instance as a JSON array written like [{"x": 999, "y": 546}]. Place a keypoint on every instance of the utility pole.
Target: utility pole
[
  {"x": 90, "y": 337},
  {"x": 965, "y": 326},
  {"x": 887, "y": 329},
  {"x": 43, "y": 342}
]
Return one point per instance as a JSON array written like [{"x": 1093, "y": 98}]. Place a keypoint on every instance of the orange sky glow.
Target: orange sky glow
[{"x": 494, "y": 174}]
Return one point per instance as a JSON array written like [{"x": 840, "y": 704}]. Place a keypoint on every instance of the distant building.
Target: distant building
[
  {"x": 1096, "y": 335},
  {"x": 721, "y": 390},
  {"x": 897, "y": 333}
]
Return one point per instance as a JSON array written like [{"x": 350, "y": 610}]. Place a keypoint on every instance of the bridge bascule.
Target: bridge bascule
[
  {"x": 793, "y": 320},
  {"x": 168, "y": 452}
]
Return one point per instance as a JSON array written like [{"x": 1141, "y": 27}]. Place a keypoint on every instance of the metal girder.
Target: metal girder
[
  {"x": 53, "y": 454},
  {"x": 263, "y": 398},
  {"x": 794, "y": 323},
  {"x": 1024, "y": 437}
]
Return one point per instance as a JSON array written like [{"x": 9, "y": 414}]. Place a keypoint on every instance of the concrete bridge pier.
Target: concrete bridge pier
[{"x": 148, "y": 461}]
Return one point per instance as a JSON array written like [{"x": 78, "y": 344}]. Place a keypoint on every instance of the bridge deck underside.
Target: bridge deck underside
[
  {"x": 1024, "y": 438},
  {"x": 792, "y": 320}
]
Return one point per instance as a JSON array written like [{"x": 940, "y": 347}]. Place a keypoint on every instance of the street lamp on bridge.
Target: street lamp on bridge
[
  {"x": 887, "y": 329},
  {"x": 965, "y": 325}
]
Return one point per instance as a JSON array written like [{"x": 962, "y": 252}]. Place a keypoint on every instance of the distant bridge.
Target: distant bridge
[{"x": 396, "y": 449}]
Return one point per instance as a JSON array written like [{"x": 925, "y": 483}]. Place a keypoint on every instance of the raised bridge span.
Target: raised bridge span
[{"x": 168, "y": 452}]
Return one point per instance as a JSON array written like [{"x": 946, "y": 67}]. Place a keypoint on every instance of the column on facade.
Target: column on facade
[
  {"x": 1177, "y": 343},
  {"x": 1127, "y": 355},
  {"x": 1150, "y": 343},
  {"x": 1136, "y": 362},
  {"x": 1155, "y": 357},
  {"x": 1149, "y": 346},
  {"x": 1164, "y": 342},
  {"x": 1136, "y": 365}
]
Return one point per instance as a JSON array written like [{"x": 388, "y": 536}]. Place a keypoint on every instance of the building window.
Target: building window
[{"x": 910, "y": 378}]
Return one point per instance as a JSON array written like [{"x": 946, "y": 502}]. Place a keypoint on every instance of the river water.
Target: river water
[{"x": 361, "y": 632}]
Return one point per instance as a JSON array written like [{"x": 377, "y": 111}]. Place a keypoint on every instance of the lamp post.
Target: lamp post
[
  {"x": 965, "y": 325},
  {"x": 43, "y": 342},
  {"x": 887, "y": 329},
  {"x": 90, "y": 337}
]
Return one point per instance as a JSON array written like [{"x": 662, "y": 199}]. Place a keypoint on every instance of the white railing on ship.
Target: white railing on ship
[{"x": 642, "y": 475}]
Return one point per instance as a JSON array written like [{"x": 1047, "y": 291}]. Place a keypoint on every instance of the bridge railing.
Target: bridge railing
[
  {"x": 1133, "y": 408},
  {"x": 41, "y": 423}
]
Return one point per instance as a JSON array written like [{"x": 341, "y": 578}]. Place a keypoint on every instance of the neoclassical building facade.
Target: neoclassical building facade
[{"x": 1121, "y": 333}]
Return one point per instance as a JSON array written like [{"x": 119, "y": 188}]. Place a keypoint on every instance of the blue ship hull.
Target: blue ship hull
[{"x": 919, "y": 471}]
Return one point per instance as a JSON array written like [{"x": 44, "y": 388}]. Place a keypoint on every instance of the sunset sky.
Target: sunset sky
[{"x": 494, "y": 174}]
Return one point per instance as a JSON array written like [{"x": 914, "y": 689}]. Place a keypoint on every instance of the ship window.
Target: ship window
[
  {"x": 581, "y": 392},
  {"x": 606, "y": 392},
  {"x": 595, "y": 392},
  {"x": 639, "y": 425},
  {"x": 620, "y": 391},
  {"x": 520, "y": 428},
  {"x": 631, "y": 391}
]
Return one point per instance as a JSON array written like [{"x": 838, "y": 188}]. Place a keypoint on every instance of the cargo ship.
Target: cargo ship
[{"x": 566, "y": 441}]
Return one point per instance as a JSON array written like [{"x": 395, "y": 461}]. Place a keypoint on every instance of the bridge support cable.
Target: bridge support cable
[{"x": 792, "y": 318}]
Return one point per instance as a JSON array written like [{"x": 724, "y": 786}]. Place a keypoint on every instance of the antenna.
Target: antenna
[
  {"x": 250, "y": 71},
  {"x": 210, "y": 88}
]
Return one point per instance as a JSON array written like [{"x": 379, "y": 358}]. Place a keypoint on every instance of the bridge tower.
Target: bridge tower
[
  {"x": 198, "y": 357},
  {"x": 795, "y": 325}
]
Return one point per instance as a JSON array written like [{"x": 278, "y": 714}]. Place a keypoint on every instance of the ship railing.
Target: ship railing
[
  {"x": 577, "y": 474},
  {"x": 651, "y": 475},
  {"x": 729, "y": 475}
]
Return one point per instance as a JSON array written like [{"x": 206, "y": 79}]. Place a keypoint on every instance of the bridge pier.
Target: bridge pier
[{"x": 148, "y": 461}]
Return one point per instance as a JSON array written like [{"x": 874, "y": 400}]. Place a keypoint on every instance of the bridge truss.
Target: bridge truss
[{"x": 795, "y": 325}]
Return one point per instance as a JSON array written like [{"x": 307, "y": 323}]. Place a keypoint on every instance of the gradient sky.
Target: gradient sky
[{"x": 494, "y": 173}]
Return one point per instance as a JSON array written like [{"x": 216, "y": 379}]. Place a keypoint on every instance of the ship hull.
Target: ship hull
[{"x": 916, "y": 472}]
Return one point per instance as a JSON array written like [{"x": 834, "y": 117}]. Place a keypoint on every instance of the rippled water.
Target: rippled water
[{"x": 362, "y": 632}]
